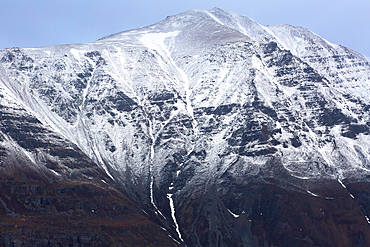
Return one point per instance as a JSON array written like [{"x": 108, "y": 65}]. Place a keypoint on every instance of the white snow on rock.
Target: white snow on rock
[{"x": 198, "y": 95}]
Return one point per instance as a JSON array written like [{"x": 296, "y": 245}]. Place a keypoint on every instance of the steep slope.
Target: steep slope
[
  {"x": 223, "y": 131},
  {"x": 53, "y": 194}
]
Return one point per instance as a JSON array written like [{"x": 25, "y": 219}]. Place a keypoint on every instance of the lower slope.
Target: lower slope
[{"x": 52, "y": 194}]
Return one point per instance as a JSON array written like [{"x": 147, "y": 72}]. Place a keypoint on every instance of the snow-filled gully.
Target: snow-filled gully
[
  {"x": 172, "y": 207},
  {"x": 156, "y": 42},
  {"x": 157, "y": 211}
]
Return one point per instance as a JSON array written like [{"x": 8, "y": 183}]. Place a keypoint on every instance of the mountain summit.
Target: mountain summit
[{"x": 205, "y": 129}]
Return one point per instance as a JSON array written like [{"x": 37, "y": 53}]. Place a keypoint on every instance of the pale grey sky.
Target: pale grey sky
[{"x": 33, "y": 23}]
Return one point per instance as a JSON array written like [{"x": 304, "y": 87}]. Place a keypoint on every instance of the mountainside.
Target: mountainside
[{"x": 205, "y": 129}]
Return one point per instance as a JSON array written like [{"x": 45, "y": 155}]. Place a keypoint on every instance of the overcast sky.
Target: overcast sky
[{"x": 33, "y": 23}]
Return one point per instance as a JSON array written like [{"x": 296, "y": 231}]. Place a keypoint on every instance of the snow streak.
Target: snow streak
[
  {"x": 235, "y": 215},
  {"x": 172, "y": 206}
]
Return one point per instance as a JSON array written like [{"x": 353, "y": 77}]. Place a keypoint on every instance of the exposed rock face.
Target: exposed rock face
[
  {"x": 77, "y": 214},
  {"x": 221, "y": 131}
]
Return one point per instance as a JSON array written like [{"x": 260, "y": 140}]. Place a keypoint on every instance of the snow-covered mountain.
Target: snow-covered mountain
[{"x": 221, "y": 131}]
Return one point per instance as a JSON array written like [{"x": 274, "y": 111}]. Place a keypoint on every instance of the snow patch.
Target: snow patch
[
  {"x": 157, "y": 211},
  {"x": 304, "y": 178},
  {"x": 213, "y": 17},
  {"x": 268, "y": 30},
  {"x": 242, "y": 29},
  {"x": 29, "y": 155},
  {"x": 54, "y": 172},
  {"x": 235, "y": 215},
  {"x": 172, "y": 206},
  {"x": 155, "y": 41},
  {"x": 312, "y": 194},
  {"x": 341, "y": 183},
  {"x": 367, "y": 219},
  {"x": 77, "y": 53}
]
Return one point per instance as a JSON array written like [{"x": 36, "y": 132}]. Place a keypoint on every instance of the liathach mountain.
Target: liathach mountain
[{"x": 205, "y": 129}]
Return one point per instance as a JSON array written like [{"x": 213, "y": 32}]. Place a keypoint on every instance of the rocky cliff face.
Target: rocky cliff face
[{"x": 216, "y": 129}]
